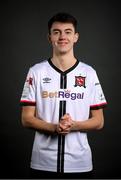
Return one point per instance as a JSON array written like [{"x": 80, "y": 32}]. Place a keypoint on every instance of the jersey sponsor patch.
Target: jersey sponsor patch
[
  {"x": 26, "y": 90},
  {"x": 100, "y": 94},
  {"x": 62, "y": 95}
]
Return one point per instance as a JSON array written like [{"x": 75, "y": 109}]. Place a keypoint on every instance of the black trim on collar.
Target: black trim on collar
[{"x": 63, "y": 72}]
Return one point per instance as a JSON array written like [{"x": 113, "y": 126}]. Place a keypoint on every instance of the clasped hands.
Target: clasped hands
[{"x": 65, "y": 124}]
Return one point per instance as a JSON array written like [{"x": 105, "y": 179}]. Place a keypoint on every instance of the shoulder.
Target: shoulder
[
  {"x": 39, "y": 66},
  {"x": 86, "y": 67}
]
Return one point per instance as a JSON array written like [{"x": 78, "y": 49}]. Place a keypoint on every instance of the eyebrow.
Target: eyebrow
[{"x": 69, "y": 29}]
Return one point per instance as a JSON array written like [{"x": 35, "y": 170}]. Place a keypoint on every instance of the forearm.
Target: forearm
[
  {"x": 87, "y": 125},
  {"x": 95, "y": 122},
  {"x": 39, "y": 125}
]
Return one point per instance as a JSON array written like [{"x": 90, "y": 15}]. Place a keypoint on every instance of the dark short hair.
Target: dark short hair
[{"x": 64, "y": 18}]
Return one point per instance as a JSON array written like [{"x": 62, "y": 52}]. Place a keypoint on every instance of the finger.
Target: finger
[
  {"x": 67, "y": 115},
  {"x": 64, "y": 126},
  {"x": 64, "y": 132}
]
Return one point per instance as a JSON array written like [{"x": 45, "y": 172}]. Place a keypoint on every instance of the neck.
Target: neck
[{"x": 63, "y": 62}]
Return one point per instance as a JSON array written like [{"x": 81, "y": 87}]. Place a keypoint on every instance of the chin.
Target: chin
[{"x": 63, "y": 52}]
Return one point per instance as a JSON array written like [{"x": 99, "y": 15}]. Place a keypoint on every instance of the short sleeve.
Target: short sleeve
[
  {"x": 98, "y": 100},
  {"x": 28, "y": 94}
]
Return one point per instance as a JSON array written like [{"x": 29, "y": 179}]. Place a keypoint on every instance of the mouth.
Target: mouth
[{"x": 62, "y": 43}]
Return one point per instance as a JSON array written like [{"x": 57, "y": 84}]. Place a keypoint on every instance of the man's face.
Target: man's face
[{"x": 62, "y": 36}]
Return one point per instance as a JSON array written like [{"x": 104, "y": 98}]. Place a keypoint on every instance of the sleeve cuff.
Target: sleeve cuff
[
  {"x": 27, "y": 103},
  {"x": 98, "y": 106}
]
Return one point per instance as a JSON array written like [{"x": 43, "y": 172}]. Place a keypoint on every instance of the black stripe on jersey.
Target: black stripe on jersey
[
  {"x": 61, "y": 141},
  {"x": 63, "y": 81},
  {"x": 59, "y": 153},
  {"x": 61, "y": 138},
  {"x": 63, "y": 150}
]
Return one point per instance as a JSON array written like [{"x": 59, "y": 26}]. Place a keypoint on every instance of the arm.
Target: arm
[
  {"x": 30, "y": 121},
  {"x": 95, "y": 122}
]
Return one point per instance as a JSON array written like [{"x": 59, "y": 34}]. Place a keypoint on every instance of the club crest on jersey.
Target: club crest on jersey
[{"x": 80, "y": 81}]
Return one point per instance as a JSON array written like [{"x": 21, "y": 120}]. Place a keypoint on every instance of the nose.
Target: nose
[{"x": 62, "y": 35}]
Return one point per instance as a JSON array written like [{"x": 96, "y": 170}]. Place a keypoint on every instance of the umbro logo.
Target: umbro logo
[{"x": 46, "y": 80}]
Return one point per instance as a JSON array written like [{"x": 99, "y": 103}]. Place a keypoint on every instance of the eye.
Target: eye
[
  {"x": 68, "y": 32},
  {"x": 56, "y": 32}
]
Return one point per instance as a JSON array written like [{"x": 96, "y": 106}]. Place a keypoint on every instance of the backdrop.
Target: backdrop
[{"x": 24, "y": 43}]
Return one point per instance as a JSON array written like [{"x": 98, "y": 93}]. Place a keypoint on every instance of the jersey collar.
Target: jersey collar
[{"x": 62, "y": 72}]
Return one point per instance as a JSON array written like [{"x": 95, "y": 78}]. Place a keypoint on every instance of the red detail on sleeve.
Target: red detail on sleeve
[
  {"x": 98, "y": 106},
  {"x": 27, "y": 102}
]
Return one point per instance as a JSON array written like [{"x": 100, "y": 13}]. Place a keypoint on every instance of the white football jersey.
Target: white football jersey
[{"x": 54, "y": 93}]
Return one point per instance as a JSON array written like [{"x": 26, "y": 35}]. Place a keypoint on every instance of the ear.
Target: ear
[
  {"x": 49, "y": 37},
  {"x": 76, "y": 37}
]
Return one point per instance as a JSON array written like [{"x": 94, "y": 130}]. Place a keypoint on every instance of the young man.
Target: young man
[{"x": 62, "y": 99}]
